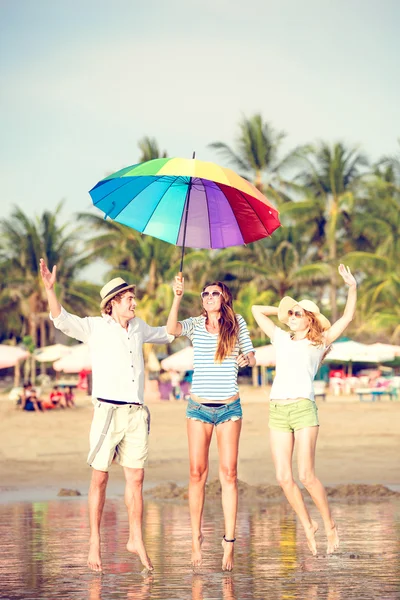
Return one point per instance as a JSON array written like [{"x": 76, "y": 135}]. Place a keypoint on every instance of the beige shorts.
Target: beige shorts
[{"x": 120, "y": 430}]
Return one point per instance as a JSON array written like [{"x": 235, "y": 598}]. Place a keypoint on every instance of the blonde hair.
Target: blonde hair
[
  {"x": 228, "y": 325},
  {"x": 316, "y": 332}
]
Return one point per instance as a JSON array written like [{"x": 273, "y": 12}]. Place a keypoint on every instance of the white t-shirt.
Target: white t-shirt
[
  {"x": 297, "y": 363},
  {"x": 211, "y": 380}
]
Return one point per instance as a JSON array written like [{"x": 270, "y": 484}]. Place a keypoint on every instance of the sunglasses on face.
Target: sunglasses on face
[
  {"x": 297, "y": 313},
  {"x": 213, "y": 294}
]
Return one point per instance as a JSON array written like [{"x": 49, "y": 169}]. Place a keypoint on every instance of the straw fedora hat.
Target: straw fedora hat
[
  {"x": 112, "y": 288},
  {"x": 287, "y": 303}
]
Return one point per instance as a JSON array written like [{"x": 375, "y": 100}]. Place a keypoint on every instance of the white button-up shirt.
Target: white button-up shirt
[{"x": 117, "y": 353}]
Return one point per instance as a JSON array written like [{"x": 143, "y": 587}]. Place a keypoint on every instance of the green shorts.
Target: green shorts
[{"x": 294, "y": 416}]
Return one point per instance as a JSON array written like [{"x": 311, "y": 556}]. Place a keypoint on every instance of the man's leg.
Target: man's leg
[
  {"x": 134, "y": 503},
  {"x": 97, "y": 496}
]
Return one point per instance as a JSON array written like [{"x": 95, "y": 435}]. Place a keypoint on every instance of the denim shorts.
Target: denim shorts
[
  {"x": 294, "y": 416},
  {"x": 214, "y": 416}
]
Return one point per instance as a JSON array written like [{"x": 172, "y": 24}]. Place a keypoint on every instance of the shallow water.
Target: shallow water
[{"x": 44, "y": 545}]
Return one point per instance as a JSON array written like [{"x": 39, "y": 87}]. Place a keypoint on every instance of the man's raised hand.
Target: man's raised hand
[{"x": 48, "y": 278}]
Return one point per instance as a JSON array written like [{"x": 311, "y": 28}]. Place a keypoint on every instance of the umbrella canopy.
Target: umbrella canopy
[
  {"x": 75, "y": 361},
  {"x": 179, "y": 361},
  {"x": 51, "y": 353},
  {"x": 11, "y": 355},
  {"x": 387, "y": 347},
  {"x": 187, "y": 202},
  {"x": 265, "y": 356},
  {"x": 355, "y": 352}
]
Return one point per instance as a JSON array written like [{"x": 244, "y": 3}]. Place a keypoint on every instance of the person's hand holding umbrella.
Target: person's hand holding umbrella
[
  {"x": 178, "y": 286},
  {"x": 173, "y": 326}
]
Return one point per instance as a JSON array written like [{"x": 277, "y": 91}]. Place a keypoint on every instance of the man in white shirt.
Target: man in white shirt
[{"x": 121, "y": 422}]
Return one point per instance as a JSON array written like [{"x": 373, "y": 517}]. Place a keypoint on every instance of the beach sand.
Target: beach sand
[{"x": 359, "y": 443}]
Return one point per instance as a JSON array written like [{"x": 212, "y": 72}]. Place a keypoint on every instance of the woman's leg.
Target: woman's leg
[
  {"x": 228, "y": 435},
  {"x": 282, "y": 444},
  {"x": 199, "y": 438},
  {"x": 306, "y": 441}
]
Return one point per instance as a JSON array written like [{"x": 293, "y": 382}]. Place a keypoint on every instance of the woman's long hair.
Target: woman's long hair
[
  {"x": 316, "y": 332},
  {"x": 228, "y": 325}
]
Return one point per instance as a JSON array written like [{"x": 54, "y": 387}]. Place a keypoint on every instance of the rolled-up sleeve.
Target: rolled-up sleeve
[
  {"x": 156, "y": 335},
  {"x": 245, "y": 343},
  {"x": 72, "y": 325},
  {"x": 188, "y": 326}
]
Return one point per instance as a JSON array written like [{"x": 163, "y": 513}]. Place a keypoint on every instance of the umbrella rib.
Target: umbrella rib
[
  {"x": 157, "y": 177},
  {"x": 208, "y": 213}
]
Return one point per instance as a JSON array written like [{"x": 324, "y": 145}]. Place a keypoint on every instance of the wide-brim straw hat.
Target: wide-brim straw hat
[
  {"x": 287, "y": 303},
  {"x": 112, "y": 288}
]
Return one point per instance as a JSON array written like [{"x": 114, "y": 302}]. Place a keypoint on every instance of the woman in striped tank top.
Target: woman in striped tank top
[{"x": 221, "y": 344}]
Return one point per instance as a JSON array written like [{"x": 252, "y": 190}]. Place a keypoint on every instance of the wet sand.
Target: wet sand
[
  {"x": 359, "y": 443},
  {"x": 44, "y": 547}
]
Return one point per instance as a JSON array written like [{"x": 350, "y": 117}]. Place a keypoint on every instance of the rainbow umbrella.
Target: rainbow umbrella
[{"x": 186, "y": 202}]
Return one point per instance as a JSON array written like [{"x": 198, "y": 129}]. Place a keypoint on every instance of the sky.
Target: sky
[{"x": 82, "y": 81}]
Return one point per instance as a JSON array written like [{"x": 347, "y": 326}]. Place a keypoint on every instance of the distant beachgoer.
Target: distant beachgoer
[
  {"x": 30, "y": 401},
  {"x": 55, "y": 400},
  {"x": 175, "y": 383},
  {"x": 221, "y": 345},
  {"x": 121, "y": 422},
  {"x": 69, "y": 397},
  {"x": 293, "y": 413}
]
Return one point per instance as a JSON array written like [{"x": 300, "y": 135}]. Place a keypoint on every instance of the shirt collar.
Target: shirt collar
[{"x": 111, "y": 321}]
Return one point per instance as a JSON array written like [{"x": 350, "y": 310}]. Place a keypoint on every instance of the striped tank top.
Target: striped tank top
[{"x": 211, "y": 380}]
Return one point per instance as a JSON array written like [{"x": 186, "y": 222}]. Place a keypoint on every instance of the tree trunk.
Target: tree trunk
[
  {"x": 151, "y": 286},
  {"x": 33, "y": 333},
  {"x": 332, "y": 248},
  {"x": 258, "y": 181},
  {"x": 17, "y": 374},
  {"x": 42, "y": 343}
]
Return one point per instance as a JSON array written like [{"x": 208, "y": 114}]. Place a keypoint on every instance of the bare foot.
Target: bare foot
[
  {"x": 227, "y": 559},
  {"x": 197, "y": 557},
  {"x": 333, "y": 539},
  {"x": 138, "y": 548},
  {"x": 94, "y": 557},
  {"x": 310, "y": 536}
]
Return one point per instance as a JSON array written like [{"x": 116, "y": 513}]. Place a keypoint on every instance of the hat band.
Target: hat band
[{"x": 116, "y": 289}]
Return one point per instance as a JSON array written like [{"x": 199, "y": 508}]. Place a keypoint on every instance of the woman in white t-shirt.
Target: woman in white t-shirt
[
  {"x": 221, "y": 345},
  {"x": 293, "y": 415}
]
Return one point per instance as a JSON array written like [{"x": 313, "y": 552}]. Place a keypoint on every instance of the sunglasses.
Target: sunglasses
[
  {"x": 297, "y": 313},
  {"x": 214, "y": 294}
]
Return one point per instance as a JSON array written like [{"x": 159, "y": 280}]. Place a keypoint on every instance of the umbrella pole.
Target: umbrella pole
[
  {"x": 184, "y": 228},
  {"x": 185, "y": 224}
]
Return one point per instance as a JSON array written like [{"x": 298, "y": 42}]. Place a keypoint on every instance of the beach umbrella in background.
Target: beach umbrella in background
[
  {"x": 78, "y": 359},
  {"x": 51, "y": 353},
  {"x": 10, "y": 356},
  {"x": 356, "y": 352},
  {"x": 387, "y": 347},
  {"x": 153, "y": 364},
  {"x": 187, "y": 202},
  {"x": 265, "y": 356},
  {"x": 179, "y": 361}
]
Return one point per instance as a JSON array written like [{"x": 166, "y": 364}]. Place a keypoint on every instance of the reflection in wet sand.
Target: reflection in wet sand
[{"x": 44, "y": 547}]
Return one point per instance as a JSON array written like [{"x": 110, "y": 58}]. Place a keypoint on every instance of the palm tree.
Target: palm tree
[
  {"x": 377, "y": 257},
  {"x": 130, "y": 254},
  {"x": 25, "y": 241},
  {"x": 329, "y": 175},
  {"x": 149, "y": 149},
  {"x": 256, "y": 155}
]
